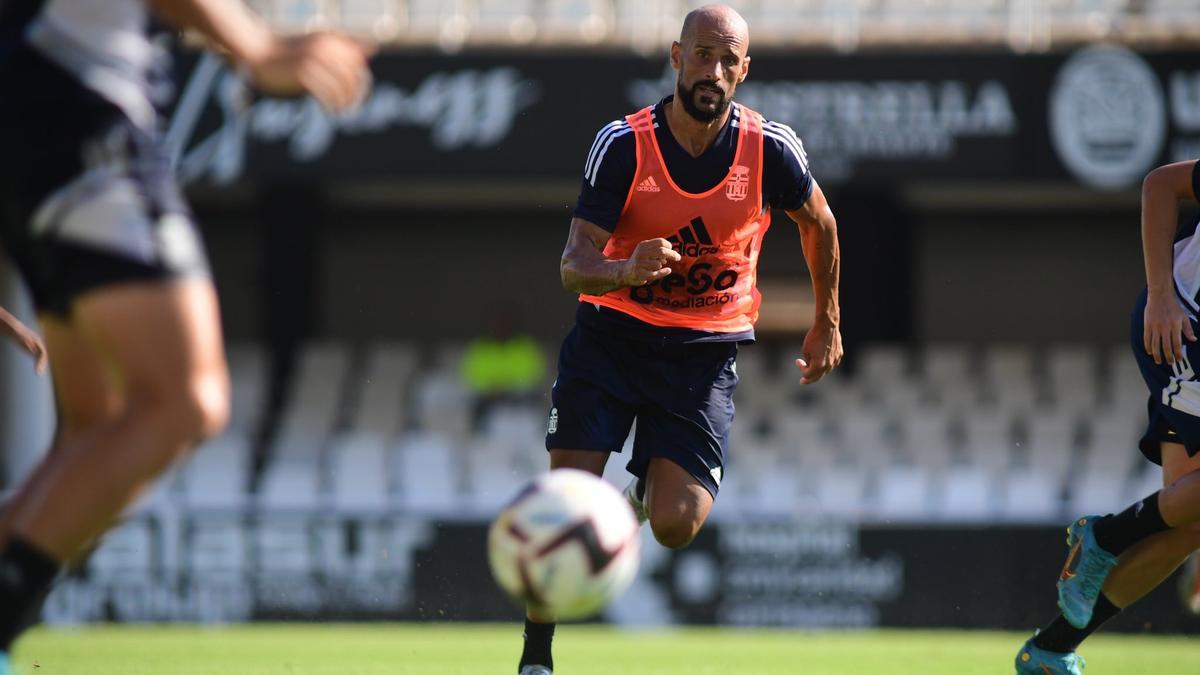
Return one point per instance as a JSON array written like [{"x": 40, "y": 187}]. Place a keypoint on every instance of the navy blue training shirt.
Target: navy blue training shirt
[{"x": 608, "y": 176}]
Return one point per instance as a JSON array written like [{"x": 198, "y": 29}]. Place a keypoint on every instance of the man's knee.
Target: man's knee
[
  {"x": 674, "y": 531},
  {"x": 186, "y": 412},
  {"x": 208, "y": 401}
]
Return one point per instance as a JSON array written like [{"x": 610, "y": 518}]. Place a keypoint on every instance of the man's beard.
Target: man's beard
[{"x": 687, "y": 98}]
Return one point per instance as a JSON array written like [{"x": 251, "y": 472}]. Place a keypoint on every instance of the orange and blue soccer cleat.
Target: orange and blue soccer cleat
[{"x": 1083, "y": 574}]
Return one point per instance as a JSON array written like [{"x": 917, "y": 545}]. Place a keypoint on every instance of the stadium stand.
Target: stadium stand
[{"x": 839, "y": 24}]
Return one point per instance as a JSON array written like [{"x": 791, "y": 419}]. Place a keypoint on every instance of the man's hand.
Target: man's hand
[
  {"x": 1165, "y": 326},
  {"x": 330, "y": 66},
  {"x": 649, "y": 262},
  {"x": 821, "y": 353}
]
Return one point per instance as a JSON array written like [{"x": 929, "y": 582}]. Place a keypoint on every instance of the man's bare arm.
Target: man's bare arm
[
  {"x": 585, "y": 269},
  {"x": 1166, "y": 324},
  {"x": 818, "y": 233},
  {"x": 330, "y": 66}
]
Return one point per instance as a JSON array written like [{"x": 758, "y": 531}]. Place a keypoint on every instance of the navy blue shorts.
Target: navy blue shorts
[
  {"x": 87, "y": 197},
  {"x": 1174, "y": 403},
  {"x": 681, "y": 396}
]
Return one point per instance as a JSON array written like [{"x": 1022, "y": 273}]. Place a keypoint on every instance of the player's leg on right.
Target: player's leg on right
[
  {"x": 1141, "y": 568},
  {"x": 163, "y": 341},
  {"x": 1138, "y": 540}
]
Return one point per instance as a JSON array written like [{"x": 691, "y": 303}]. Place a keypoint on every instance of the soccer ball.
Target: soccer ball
[{"x": 566, "y": 545}]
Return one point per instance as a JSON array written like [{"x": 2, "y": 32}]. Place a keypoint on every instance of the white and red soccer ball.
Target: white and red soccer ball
[{"x": 566, "y": 545}]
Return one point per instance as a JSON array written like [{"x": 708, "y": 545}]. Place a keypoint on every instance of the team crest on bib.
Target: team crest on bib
[{"x": 738, "y": 185}]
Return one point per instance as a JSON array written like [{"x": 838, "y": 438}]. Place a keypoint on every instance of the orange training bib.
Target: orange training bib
[{"x": 718, "y": 233}]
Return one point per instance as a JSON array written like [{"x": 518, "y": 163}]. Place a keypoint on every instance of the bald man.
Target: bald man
[{"x": 663, "y": 250}]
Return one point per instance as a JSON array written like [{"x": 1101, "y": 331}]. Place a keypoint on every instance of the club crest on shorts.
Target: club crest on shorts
[
  {"x": 552, "y": 426},
  {"x": 738, "y": 185},
  {"x": 717, "y": 473}
]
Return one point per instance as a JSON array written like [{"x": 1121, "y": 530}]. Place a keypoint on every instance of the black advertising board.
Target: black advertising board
[
  {"x": 757, "y": 572},
  {"x": 1100, "y": 116}
]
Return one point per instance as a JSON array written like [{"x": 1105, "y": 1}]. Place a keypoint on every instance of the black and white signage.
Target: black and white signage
[
  {"x": 1101, "y": 116},
  {"x": 1107, "y": 116}
]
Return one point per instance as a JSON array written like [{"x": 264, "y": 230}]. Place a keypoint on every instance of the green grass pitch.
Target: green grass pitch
[{"x": 467, "y": 649}]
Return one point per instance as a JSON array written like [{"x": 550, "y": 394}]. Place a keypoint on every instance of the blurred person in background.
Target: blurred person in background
[
  {"x": 663, "y": 250},
  {"x": 95, "y": 222},
  {"x": 24, "y": 338},
  {"x": 1116, "y": 559},
  {"x": 502, "y": 366}
]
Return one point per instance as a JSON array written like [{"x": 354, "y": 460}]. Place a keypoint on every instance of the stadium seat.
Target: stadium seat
[
  {"x": 428, "y": 474},
  {"x": 516, "y": 425},
  {"x": 494, "y": 473},
  {"x": 1096, "y": 489},
  {"x": 927, "y": 440},
  {"x": 1125, "y": 380},
  {"x": 313, "y": 402},
  {"x": 503, "y": 22},
  {"x": 1030, "y": 496},
  {"x": 129, "y": 553},
  {"x": 247, "y": 385},
  {"x": 1009, "y": 380},
  {"x": 285, "y": 545},
  {"x": 870, "y": 439},
  {"x": 1072, "y": 371},
  {"x": 216, "y": 547},
  {"x": 946, "y": 363},
  {"x": 379, "y": 19},
  {"x": 442, "y": 403},
  {"x": 988, "y": 441},
  {"x": 804, "y": 437},
  {"x": 441, "y": 22},
  {"x": 576, "y": 21},
  {"x": 284, "y": 528},
  {"x": 1113, "y": 442},
  {"x": 360, "y": 475},
  {"x": 383, "y": 385},
  {"x": 841, "y": 492},
  {"x": 968, "y": 494},
  {"x": 290, "y": 486},
  {"x": 1050, "y": 444},
  {"x": 217, "y": 475},
  {"x": 799, "y": 21},
  {"x": 905, "y": 495},
  {"x": 885, "y": 363}
]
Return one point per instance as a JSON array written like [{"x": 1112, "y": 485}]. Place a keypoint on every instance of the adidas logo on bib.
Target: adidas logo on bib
[
  {"x": 648, "y": 185},
  {"x": 693, "y": 240}
]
